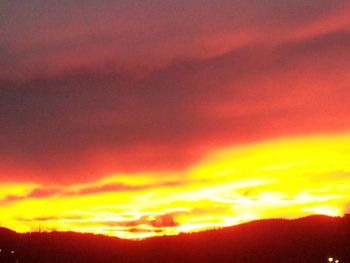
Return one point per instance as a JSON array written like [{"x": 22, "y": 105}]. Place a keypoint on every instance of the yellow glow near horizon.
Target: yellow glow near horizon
[{"x": 286, "y": 177}]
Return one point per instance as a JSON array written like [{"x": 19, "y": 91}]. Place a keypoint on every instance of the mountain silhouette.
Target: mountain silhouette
[{"x": 311, "y": 239}]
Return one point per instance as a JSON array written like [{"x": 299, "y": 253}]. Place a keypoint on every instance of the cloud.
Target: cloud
[
  {"x": 51, "y": 218},
  {"x": 108, "y": 188},
  {"x": 157, "y": 221},
  {"x": 43, "y": 192},
  {"x": 164, "y": 221},
  {"x": 11, "y": 198},
  {"x": 229, "y": 186},
  {"x": 35, "y": 193},
  {"x": 87, "y": 123},
  {"x": 151, "y": 34},
  {"x": 94, "y": 188},
  {"x": 153, "y": 221}
]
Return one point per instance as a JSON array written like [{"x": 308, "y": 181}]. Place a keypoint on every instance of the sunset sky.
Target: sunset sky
[{"x": 139, "y": 118}]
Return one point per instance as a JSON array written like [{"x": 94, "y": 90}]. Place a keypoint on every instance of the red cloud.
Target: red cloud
[
  {"x": 164, "y": 221},
  {"x": 79, "y": 125}
]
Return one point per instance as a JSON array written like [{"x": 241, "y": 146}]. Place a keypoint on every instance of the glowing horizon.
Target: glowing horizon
[{"x": 287, "y": 177}]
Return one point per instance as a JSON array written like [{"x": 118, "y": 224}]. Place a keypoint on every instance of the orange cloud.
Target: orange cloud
[{"x": 289, "y": 177}]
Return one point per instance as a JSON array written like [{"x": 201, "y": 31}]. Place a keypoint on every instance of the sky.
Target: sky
[{"x": 141, "y": 118}]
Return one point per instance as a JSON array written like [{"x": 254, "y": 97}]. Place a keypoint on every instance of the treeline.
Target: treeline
[{"x": 312, "y": 239}]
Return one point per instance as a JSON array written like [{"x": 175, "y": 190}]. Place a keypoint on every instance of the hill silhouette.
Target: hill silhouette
[{"x": 309, "y": 239}]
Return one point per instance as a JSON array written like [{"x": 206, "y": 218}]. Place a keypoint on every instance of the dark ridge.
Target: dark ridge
[
  {"x": 6, "y": 231},
  {"x": 311, "y": 239}
]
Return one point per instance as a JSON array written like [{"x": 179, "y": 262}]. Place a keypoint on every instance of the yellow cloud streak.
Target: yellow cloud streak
[{"x": 286, "y": 177}]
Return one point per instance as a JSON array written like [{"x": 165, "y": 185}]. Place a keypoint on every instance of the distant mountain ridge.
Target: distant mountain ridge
[{"x": 309, "y": 239}]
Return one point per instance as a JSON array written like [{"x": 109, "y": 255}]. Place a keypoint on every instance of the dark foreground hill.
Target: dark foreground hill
[{"x": 310, "y": 239}]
